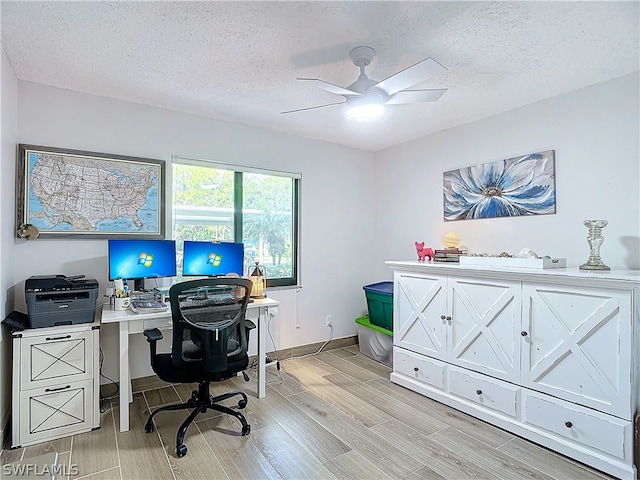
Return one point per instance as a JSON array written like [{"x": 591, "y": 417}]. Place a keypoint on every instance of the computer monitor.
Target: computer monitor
[
  {"x": 140, "y": 259},
  {"x": 212, "y": 258}
]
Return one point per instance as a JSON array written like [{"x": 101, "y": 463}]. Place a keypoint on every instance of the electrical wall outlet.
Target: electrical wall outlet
[{"x": 328, "y": 321}]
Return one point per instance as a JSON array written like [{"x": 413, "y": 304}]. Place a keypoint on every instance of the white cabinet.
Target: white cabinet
[
  {"x": 548, "y": 355},
  {"x": 472, "y": 323},
  {"x": 55, "y": 388}
]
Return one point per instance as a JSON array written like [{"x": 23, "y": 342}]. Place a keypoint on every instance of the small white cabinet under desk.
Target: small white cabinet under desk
[
  {"x": 55, "y": 387},
  {"x": 550, "y": 355}
]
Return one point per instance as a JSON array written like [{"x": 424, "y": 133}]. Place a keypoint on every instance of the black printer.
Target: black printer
[{"x": 60, "y": 300}]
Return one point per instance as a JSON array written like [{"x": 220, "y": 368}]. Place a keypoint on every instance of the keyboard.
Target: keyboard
[
  {"x": 209, "y": 301},
  {"x": 145, "y": 306}
]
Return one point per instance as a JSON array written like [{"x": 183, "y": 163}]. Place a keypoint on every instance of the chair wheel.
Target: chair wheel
[
  {"x": 242, "y": 403},
  {"x": 246, "y": 430},
  {"x": 181, "y": 450},
  {"x": 148, "y": 427}
]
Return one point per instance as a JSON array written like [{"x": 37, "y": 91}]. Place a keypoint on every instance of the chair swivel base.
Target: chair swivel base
[{"x": 201, "y": 401}]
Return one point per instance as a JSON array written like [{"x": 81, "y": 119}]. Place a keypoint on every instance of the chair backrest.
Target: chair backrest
[{"x": 208, "y": 322}]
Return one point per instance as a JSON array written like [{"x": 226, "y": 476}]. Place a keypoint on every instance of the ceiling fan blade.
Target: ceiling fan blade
[
  {"x": 330, "y": 87},
  {"x": 408, "y": 77},
  {"x": 312, "y": 108},
  {"x": 415, "y": 96}
]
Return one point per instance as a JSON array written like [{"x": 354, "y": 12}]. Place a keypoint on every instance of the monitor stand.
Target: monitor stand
[{"x": 138, "y": 285}]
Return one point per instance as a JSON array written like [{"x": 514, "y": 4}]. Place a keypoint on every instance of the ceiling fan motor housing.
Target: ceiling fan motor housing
[{"x": 362, "y": 56}]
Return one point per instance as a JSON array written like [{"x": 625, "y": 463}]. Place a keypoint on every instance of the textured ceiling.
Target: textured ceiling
[{"x": 238, "y": 61}]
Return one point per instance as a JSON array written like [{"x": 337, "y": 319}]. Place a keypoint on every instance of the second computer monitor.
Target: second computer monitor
[{"x": 212, "y": 258}]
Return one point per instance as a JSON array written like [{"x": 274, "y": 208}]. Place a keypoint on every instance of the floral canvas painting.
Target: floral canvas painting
[{"x": 523, "y": 185}]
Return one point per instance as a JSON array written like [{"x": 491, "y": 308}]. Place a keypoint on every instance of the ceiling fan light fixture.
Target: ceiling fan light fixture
[
  {"x": 364, "y": 109},
  {"x": 365, "y": 112}
]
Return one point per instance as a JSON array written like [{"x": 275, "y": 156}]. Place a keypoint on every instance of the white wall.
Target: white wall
[
  {"x": 9, "y": 133},
  {"x": 355, "y": 216},
  {"x": 337, "y": 204},
  {"x": 595, "y": 134}
]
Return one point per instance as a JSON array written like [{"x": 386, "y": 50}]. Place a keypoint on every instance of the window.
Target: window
[{"x": 218, "y": 201}]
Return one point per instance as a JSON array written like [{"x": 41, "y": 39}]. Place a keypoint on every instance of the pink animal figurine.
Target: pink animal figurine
[{"x": 423, "y": 252}]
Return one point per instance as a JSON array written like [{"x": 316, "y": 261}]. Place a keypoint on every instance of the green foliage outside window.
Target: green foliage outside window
[{"x": 207, "y": 201}]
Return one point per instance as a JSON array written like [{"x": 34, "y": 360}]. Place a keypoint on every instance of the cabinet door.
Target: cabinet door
[
  {"x": 484, "y": 329},
  {"x": 419, "y": 305},
  {"x": 578, "y": 345}
]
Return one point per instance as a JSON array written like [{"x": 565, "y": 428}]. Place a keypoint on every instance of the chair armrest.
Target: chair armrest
[
  {"x": 153, "y": 335},
  {"x": 248, "y": 326}
]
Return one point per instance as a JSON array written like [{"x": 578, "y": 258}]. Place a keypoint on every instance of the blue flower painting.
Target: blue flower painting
[{"x": 513, "y": 187}]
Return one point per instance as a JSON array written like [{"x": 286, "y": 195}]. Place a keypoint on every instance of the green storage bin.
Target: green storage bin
[{"x": 380, "y": 304}]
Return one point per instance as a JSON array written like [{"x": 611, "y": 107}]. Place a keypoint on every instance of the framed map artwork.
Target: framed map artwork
[{"x": 76, "y": 193}]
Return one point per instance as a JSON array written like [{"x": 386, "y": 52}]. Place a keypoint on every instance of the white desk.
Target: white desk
[{"x": 130, "y": 323}]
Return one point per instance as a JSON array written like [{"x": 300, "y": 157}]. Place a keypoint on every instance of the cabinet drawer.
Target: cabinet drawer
[
  {"x": 581, "y": 425},
  {"x": 424, "y": 369},
  {"x": 55, "y": 411},
  {"x": 485, "y": 391},
  {"x": 55, "y": 358}
]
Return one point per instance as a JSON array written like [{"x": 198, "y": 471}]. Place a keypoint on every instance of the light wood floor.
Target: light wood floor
[{"x": 335, "y": 415}]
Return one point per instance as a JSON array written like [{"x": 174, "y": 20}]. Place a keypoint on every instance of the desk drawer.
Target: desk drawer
[{"x": 160, "y": 323}]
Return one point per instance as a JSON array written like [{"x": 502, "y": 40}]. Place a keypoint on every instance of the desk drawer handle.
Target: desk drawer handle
[
  {"x": 479, "y": 392},
  {"x": 568, "y": 424},
  {"x": 415, "y": 369},
  {"x": 58, "y": 338},
  {"x": 56, "y": 389}
]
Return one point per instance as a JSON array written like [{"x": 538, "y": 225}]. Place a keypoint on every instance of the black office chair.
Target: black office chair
[{"x": 209, "y": 345}]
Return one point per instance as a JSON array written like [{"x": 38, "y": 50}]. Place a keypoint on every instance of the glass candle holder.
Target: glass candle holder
[{"x": 595, "y": 240}]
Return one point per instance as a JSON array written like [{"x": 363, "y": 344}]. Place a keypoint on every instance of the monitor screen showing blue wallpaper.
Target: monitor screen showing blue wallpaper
[
  {"x": 212, "y": 258},
  {"x": 135, "y": 259}
]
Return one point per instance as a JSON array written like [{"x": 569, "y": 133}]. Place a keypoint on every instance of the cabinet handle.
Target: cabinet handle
[
  {"x": 58, "y": 338},
  {"x": 448, "y": 318},
  {"x": 479, "y": 392},
  {"x": 443, "y": 317},
  {"x": 523, "y": 333},
  {"x": 56, "y": 389},
  {"x": 568, "y": 424},
  {"x": 415, "y": 369}
]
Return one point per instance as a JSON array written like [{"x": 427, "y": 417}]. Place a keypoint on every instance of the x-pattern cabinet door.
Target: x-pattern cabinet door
[
  {"x": 420, "y": 302},
  {"x": 578, "y": 345},
  {"x": 484, "y": 326}
]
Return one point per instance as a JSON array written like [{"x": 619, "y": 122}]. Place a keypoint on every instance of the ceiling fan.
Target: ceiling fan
[{"x": 366, "y": 97}]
